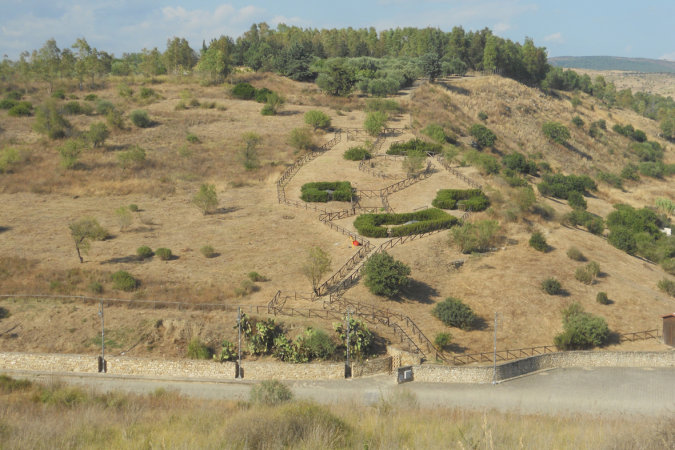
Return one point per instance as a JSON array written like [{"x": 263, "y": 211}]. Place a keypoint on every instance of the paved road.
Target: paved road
[{"x": 562, "y": 391}]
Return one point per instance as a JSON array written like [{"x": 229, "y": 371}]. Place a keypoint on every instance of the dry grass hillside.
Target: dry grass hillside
[{"x": 252, "y": 232}]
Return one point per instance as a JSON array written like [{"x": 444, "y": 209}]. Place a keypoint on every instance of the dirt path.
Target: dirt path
[{"x": 605, "y": 391}]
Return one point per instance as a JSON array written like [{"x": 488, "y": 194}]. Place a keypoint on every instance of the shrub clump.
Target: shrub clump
[
  {"x": 587, "y": 273},
  {"x": 602, "y": 298},
  {"x": 581, "y": 330},
  {"x": 518, "y": 163},
  {"x": 538, "y": 242},
  {"x": 144, "y": 252},
  {"x": 21, "y": 109},
  {"x": 124, "y": 281},
  {"x": 454, "y": 313},
  {"x": 243, "y": 91},
  {"x": 477, "y": 236},
  {"x": 556, "y": 132},
  {"x": 374, "y": 225},
  {"x": 560, "y": 186},
  {"x": 164, "y": 253},
  {"x": 443, "y": 340},
  {"x": 140, "y": 118},
  {"x": 317, "y": 119},
  {"x": 383, "y": 275},
  {"x": 483, "y": 135},
  {"x": 667, "y": 286},
  {"x": 324, "y": 191},
  {"x": 270, "y": 393},
  {"x": 413, "y": 146},
  {"x": 436, "y": 132},
  {"x": 575, "y": 254},
  {"x": 551, "y": 286},
  {"x": 207, "y": 251},
  {"x": 357, "y": 154},
  {"x": 593, "y": 223},
  {"x": 198, "y": 350},
  {"x": 467, "y": 199}
]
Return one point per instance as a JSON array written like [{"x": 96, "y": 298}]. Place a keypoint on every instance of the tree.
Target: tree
[
  {"x": 430, "y": 64},
  {"x": 70, "y": 152},
  {"x": 50, "y": 121},
  {"x": 83, "y": 232},
  {"x": 47, "y": 62},
  {"x": 214, "y": 64},
  {"x": 483, "y": 135},
  {"x": 375, "y": 122},
  {"x": 337, "y": 79},
  {"x": 248, "y": 153},
  {"x": 273, "y": 103},
  {"x": 316, "y": 265},
  {"x": 317, "y": 119},
  {"x": 98, "y": 133},
  {"x": 206, "y": 199},
  {"x": 301, "y": 139},
  {"x": 383, "y": 275}
]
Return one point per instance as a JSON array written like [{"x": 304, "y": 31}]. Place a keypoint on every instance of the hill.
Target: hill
[
  {"x": 643, "y": 65},
  {"x": 197, "y": 137}
]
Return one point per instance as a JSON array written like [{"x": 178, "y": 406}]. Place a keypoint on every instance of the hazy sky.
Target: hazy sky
[{"x": 570, "y": 28}]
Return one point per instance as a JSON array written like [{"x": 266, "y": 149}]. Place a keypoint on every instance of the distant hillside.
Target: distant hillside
[{"x": 614, "y": 63}]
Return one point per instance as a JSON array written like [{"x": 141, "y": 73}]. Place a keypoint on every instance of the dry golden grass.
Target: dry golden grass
[
  {"x": 56, "y": 415},
  {"x": 254, "y": 233}
]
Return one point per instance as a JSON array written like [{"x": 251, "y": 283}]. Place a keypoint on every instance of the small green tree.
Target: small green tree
[
  {"x": 273, "y": 103},
  {"x": 50, "y": 121},
  {"x": 316, "y": 265},
  {"x": 317, "y": 119},
  {"x": 383, "y": 275},
  {"x": 375, "y": 122},
  {"x": 248, "y": 152},
  {"x": 556, "y": 132},
  {"x": 140, "y": 118},
  {"x": 70, "y": 152},
  {"x": 98, "y": 133},
  {"x": 83, "y": 232},
  {"x": 206, "y": 199}
]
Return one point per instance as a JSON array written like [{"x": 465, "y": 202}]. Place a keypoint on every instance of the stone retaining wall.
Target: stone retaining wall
[{"x": 484, "y": 374}]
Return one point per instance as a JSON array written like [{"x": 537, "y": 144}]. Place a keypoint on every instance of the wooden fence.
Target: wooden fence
[{"x": 457, "y": 173}]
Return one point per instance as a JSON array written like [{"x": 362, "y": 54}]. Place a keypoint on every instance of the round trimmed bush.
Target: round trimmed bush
[
  {"x": 551, "y": 286},
  {"x": 144, "y": 252},
  {"x": 454, "y": 313},
  {"x": 163, "y": 253},
  {"x": 124, "y": 281},
  {"x": 208, "y": 251}
]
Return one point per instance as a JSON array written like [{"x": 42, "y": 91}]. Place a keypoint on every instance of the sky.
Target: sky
[{"x": 642, "y": 29}]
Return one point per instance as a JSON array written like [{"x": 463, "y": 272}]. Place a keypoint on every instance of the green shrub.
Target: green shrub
[
  {"x": 454, "y": 313},
  {"x": 267, "y": 110},
  {"x": 551, "y": 286},
  {"x": 59, "y": 93},
  {"x": 602, "y": 298},
  {"x": 373, "y": 225},
  {"x": 324, "y": 191},
  {"x": 357, "y": 154},
  {"x": 255, "y": 276},
  {"x": 198, "y": 350},
  {"x": 97, "y": 134},
  {"x": 443, "y": 340},
  {"x": 206, "y": 199},
  {"x": 124, "y": 281},
  {"x": 667, "y": 286},
  {"x": 581, "y": 330},
  {"x": 301, "y": 139},
  {"x": 50, "y": 121},
  {"x": 556, "y": 132},
  {"x": 477, "y": 236},
  {"x": 243, "y": 91},
  {"x": 317, "y": 119},
  {"x": 95, "y": 287},
  {"x": 611, "y": 179},
  {"x": 207, "y": 251},
  {"x": 436, "y": 132},
  {"x": 584, "y": 275},
  {"x": 133, "y": 207},
  {"x": 124, "y": 91},
  {"x": 383, "y": 275},
  {"x": 668, "y": 264},
  {"x": 317, "y": 344},
  {"x": 483, "y": 135},
  {"x": 538, "y": 242},
  {"x": 560, "y": 186},
  {"x": 375, "y": 122},
  {"x": 270, "y": 393},
  {"x": 575, "y": 254},
  {"x": 470, "y": 199},
  {"x": 164, "y": 253},
  {"x": 383, "y": 105},
  {"x": 90, "y": 97},
  {"x": 576, "y": 200},
  {"x": 9, "y": 384},
  {"x": 146, "y": 93},
  {"x": 593, "y": 223},
  {"x": 228, "y": 352},
  {"x": 70, "y": 152},
  {"x": 144, "y": 252},
  {"x": 262, "y": 94},
  {"x": 488, "y": 164},
  {"x": 577, "y": 121},
  {"x": 140, "y": 118},
  {"x": 482, "y": 115},
  {"x": 133, "y": 157},
  {"x": 7, "y": 103},
  {"x": 517, "y": 162},
  {"x": 103, "y": 107},
  {"x": 413, "y": 146},
  {"x": 21, "y": 109},
  {"x": 72, "y": 108}
]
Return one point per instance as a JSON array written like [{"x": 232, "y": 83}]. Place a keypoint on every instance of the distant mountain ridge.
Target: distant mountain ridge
[{"x": 644, "y": 65}]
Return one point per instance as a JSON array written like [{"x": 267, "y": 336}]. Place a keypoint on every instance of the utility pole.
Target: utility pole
[
  {"x": 102, "y": 365},
  {"x": 239, "y": 332},
  {"x": 494, "y": 356},
  {"x": 348, "y": 368}
]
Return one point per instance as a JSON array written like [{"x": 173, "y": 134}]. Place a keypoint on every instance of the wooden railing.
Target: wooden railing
[
  {"x": 640, "y": 335},
  {"x": 502, "y": 355},
  {"x": 343, "y": 271},
  {"x": 457, "y": 173}
]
